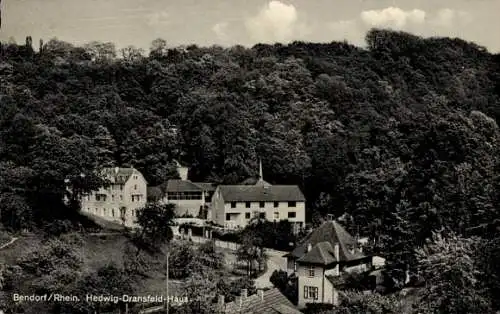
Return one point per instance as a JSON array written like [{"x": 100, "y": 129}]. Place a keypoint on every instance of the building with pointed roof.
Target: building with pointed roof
[
  {"x": 321, "y": 261},
  {"x": 270, "y": 301},
  {"x": 190, "y": 198},
  {"x": 119, "y": 201},
  {"x": 234, "y": 206}
]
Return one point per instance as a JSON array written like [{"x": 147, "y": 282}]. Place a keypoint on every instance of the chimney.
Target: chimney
[
  {"x": 244, "y": 293},
  {"x": 260, "y": 293},
  {"x": 309, "y": 247},
  {"x": 182, "y": 171},
  {"x": 220, "y": 302},
  {"x": 116, "y": 170},
  {"x": 336, "y": 251}
]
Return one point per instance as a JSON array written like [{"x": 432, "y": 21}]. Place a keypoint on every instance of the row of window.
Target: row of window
[
  {"x": 118, "y": 187},
  {"x": 263, "y": 204},
  {"x": 263, "y": 215},
  {"x": 111, "y": 213},
  {"x": 184, "y": 195},
  {"x": 103, "y": 197}
]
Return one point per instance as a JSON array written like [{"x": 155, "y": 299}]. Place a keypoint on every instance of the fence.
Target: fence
[
  {"x": 221, "y": 244},
  {"x": 231, "y": 245}
]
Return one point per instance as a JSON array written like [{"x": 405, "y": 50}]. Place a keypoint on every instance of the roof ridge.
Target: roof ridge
[{"x": 321, "y": 252}]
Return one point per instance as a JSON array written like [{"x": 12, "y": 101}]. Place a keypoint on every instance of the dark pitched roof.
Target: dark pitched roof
[
  {"x": 206, "y": 186},
  {"x": 333, "y": 233},
  {"x": 336, "y": 280},
  {"x": 322, "y": 253},
  {"x": 118, "y": 175},
  {"x": 182, "y": 186},
  {"x": 273, "y": 302},
  {"x": 253, "y": 193}
]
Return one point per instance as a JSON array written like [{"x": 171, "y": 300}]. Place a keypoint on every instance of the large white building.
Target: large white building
[
  {"x": 120, "y": 201},
  {"x": 233, "y": 206}
]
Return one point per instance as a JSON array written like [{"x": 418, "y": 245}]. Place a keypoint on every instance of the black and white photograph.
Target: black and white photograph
[{"x": 249, "y": 157}]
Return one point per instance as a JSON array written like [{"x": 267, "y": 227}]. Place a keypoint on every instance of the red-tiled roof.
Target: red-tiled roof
[
  {"x": 272, "y": 302},
  {"x": 257, "y": 193}
]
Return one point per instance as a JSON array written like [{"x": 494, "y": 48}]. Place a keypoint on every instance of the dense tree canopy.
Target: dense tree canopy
[{"x": 402, "y": 135}]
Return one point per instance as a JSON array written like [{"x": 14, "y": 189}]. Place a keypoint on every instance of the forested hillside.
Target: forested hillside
[{"x": 401, "y": 135}]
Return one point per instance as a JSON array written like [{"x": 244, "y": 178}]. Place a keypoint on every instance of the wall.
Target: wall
[
  {"x": 217, "y": 209},
  {"x": 238, "y": 217},
  {"x": 117, "y": 198},
  {"x": 290, "y": 265},
  {"x": 183, "y": 207},
  {"x": 305, "y": 280},
  {"x": 134, "y": 187}
]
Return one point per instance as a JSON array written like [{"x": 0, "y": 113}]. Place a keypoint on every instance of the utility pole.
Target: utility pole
[{"x": 166, "y": 285}]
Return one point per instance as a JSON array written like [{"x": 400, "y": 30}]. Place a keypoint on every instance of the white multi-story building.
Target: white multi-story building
[
  {"x": 120, "y": 201},
  {"x": 234, "y": 206}
]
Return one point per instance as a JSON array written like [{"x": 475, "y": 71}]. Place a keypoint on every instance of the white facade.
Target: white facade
[
  {"x": 120, "y": 201},
  {"x": 314, "y": 287},
  {"x": 234, "y": 214}
]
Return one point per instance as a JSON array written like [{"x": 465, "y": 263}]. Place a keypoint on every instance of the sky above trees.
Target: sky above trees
[{"x": 224, "y": 22}]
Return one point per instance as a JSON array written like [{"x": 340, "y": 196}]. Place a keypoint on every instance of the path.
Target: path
[
  {"x": 3, "y": 246},
  {"x": 275, "y": 261}
]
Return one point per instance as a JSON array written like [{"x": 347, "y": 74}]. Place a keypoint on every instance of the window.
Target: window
[
  {"x": 184, "y": 195},
  {"x": 262, "y": 215},
  {"x": 292, "y": 214},
  {"x": 247, "y": 215},
  {"x": 121, "y": 187},
  {"x": 100, "y": 197},
  {"x": 233, "y": 204},
  {"x": 262, "y": 204},
  {"x": 310, "y": 271},
  {"x": 292, "y": 204},
  {"x": 104, "y": 211},
  {"x": 247, "y": 204},
  {"x": 228, "y": 217},
  {"x": 276, "y": 215},
  {"x": 135, "y": 187},
  {"x": 112, "y": 197},
  {"x": 121, "y": 197},
  {"x": 276, "y": 204},
  {"x": 310, "y": 292},
  {"x": 113, "y": 212}
]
